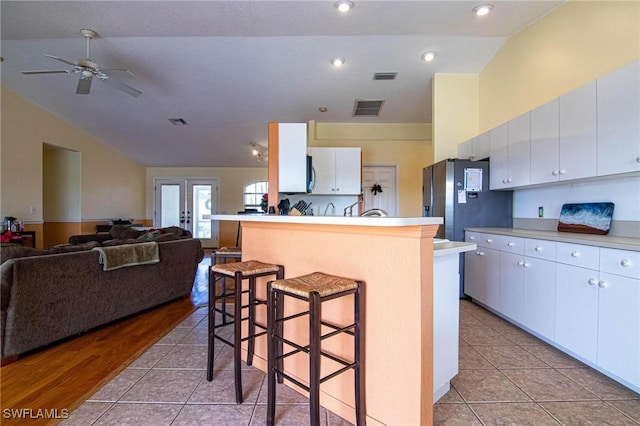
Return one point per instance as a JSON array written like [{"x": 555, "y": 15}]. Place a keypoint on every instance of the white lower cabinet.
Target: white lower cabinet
[
  {"x": 583, "y": 299},
  {"x": 511, "y": 286},
  {"x": 577, "y": 310},
  {"x": 619, "y": 326},
  {"x": 539, "y": 311}
]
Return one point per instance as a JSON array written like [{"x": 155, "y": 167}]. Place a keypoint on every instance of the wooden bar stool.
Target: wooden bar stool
[
  {"x": 313, "y": 288},
  {"x": 247, "y": 270},
  {"x": 222, "y": 254}
]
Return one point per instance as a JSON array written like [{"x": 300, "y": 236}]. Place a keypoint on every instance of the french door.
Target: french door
[{"x": 189, "y": 204}]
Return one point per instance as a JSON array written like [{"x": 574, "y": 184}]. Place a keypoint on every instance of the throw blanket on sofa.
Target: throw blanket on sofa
[{"x": 115, "y": 257}]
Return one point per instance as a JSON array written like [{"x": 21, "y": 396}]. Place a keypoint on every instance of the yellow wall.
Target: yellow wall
[
  {"x": 455, "y": 112},
  {"x": 61, "y": 184},
  {"x": 407, "y": 146},
  {"x": 576, "y": 43},
  {"x": 112, "y": 185}
]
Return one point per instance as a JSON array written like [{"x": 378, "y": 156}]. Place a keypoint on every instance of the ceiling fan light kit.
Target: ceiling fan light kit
[{"x": 87, "y": 69}]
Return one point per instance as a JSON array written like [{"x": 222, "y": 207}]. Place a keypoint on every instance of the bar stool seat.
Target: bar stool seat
[
  {"x": 246, "y": 270},
  {"x": 313, "y": 288}
]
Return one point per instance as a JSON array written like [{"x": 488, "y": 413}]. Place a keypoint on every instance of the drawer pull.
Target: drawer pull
[
  {"x": 592, "y": 281},
  {"x": 472, "y": 238},
  {"x": 511, "y": 244},
  {"x": 520, "y": 263},
  {"x": 480, "y": 253},
  {"x": 526, "y": 264},
  {"x": 603, "y": 284},
  {"x": 489, "y": 240},
  {"x": 555, "y": 173},
  {"x": 575, "y": 254},
  {"x": 538, "y": 248},
  {"x": 625, "y": 263}
]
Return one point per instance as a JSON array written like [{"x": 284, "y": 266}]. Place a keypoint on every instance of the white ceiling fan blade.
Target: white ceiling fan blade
[
  {"x": 64, "y": 61},
  {"x": 130, "y": 74},
  {"x": 121, "y": 86},
  {"x": 84, "y": 85},
  {"x": 46, "y": 72}
]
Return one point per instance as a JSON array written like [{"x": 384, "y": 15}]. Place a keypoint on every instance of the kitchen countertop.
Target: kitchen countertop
[
  {"x": 445, "y": 247},
  {"x": 332, "y": 220},
  {"x": 606, "y": 241}
]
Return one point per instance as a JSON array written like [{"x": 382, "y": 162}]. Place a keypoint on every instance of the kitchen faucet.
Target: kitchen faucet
[
  {"x": 347, "y": 210},
  {"x": 333, "y": 208}
]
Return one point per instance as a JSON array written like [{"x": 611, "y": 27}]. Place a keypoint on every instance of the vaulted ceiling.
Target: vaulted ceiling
[{"x": 229, "y": 67}]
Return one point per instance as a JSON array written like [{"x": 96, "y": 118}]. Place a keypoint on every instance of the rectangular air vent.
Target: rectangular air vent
[
  {"x": 178, "y": 121},
  {"x": 367, "y": 108},
  {"x": 385, "y": 75}
]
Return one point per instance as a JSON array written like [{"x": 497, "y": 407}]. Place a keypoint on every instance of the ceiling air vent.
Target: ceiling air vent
[
  {"x": 385, "y": 75},
  {"x": 367, "y": 108},
  {"x": 178, "y": 121}
]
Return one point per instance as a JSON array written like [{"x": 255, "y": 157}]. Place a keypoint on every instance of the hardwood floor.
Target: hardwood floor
[{"x": 60, "y": 377}]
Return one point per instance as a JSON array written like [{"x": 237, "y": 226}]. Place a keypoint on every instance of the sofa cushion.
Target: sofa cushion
[
  {"x": 70, "y": 248},
  {"x": 180, "y": 232},
  {"x": 123, "y": 232},
  {"x": 117, "y": 242},
  {"x": 13, "y": 251}
]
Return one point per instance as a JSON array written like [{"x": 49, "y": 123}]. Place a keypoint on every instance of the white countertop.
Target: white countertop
[
  {"x": 445, "y": 247},
  {"x": 607, "y": 241},
  {"x": 332, "y": 220}
]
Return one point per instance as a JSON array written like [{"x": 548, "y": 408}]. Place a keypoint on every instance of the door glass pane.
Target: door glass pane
[
  {"x": 201, "y": 211},
  {"x": 171, "y": 205}
]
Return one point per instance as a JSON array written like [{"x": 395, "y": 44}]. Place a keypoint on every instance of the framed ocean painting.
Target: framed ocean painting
[{"x": 586, "y": 218}]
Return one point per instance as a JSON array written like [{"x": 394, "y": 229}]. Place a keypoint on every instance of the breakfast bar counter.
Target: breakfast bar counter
[{"x": 394, "y": 258}]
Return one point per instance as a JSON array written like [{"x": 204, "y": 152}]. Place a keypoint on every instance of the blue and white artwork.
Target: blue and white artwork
[{"x": 586, "y": 218}]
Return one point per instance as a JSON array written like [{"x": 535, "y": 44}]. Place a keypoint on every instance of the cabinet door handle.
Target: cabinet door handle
[
  {"x": 472, "y": 238},
  {"x": 510, "y": 244},
  {"x": 603, "y": 284},
  {"x": 526, "y": 264},
  {"x": 508, "y": 179},
  {"x": 562, "y": 171},
  {"x": 538, "y": 248},
  {"x": 489, "y": 240},
  {"x": 480, "y": 253},
  {"x": 575, "y": 254},
  {"x": 625, "y": 263},
  {"x": 472, "y": 156},
  {"x": 520, "y": 263},
  {"x": 638, "y": 159},
  {"x": 504, "y": 180},
  {"x": 337, "y": 189},
  {"x": 592, "y": 281},
  {"x": 554, "y": 173}
]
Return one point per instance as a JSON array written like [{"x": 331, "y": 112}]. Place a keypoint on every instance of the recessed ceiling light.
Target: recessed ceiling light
[
  {"x": 344, "y": 5},
  {"x": 337, "y": 61},
  {"x": 482, "y": 9},
  {"x": 429, "y": 56},
  {"x": 323, "y": 109}
]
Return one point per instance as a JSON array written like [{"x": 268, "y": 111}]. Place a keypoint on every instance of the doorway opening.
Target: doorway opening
[
  {"x": 189, "y": 204},
  {"x": 384, "y": 195}
]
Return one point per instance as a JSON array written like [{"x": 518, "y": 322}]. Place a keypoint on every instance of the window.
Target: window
[{"x": 253, "y": 195}]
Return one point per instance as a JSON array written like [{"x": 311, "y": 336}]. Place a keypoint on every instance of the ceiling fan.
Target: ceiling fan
[{"x": 87, "y": 69}]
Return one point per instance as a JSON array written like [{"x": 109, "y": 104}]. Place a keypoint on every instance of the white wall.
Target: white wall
[{"x": 623, "y": 191}]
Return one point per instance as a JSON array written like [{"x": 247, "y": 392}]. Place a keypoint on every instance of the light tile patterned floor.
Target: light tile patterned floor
[{"x": 507, "y": 377}]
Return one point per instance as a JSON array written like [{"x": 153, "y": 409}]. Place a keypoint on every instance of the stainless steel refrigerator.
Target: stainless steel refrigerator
[{"x": 458, "y": 191}]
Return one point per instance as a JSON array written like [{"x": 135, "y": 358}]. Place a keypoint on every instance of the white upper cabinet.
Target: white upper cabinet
[
  {"x": 578, "y": 138},
  {"x": 545, "y": 143},
  {"x": 619, "y": 121},
  {"x": 510, "y": 146},
  {"x": 499, "y": 143},
  {"x": 292, "y": 157},
  {"x": 337, "y": 171},
  {"x": 475, "y": 149},
  {"x": 520, "y": 151}
]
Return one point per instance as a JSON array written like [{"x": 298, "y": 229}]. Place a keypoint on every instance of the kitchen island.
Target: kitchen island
[{"x": 394, "y": 258}]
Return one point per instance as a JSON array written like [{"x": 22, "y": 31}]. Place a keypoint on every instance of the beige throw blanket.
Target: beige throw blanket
[{"x": 116, "y": 257}]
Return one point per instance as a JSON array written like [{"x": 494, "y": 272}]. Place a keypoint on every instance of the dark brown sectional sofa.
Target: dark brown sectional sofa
[{"x": 49, "y": 296}]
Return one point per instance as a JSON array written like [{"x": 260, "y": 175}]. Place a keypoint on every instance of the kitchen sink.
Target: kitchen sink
[{"x": 374, "y": 212}]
